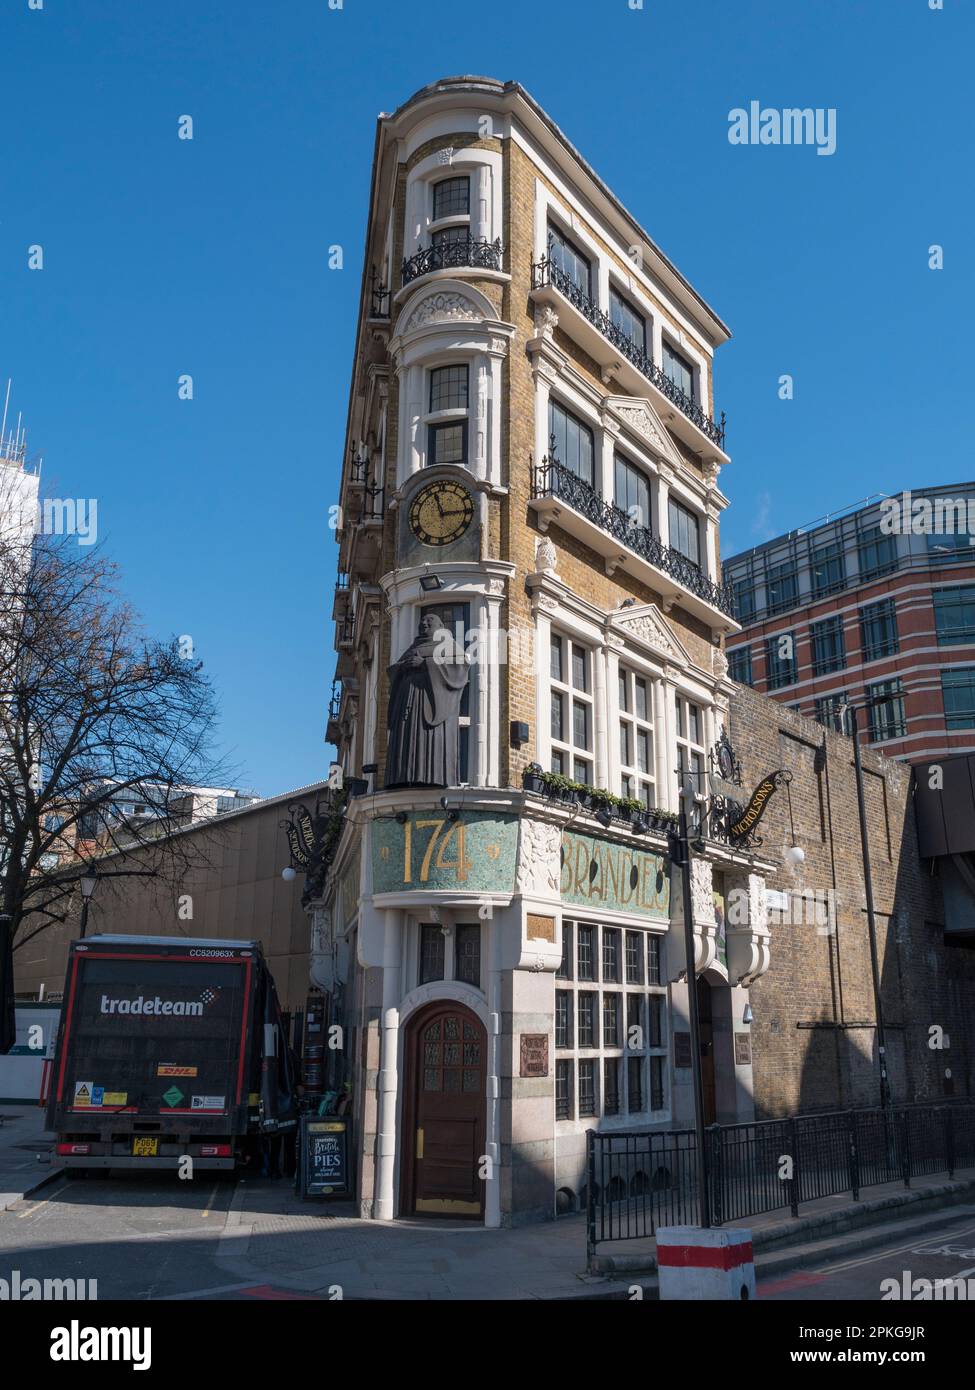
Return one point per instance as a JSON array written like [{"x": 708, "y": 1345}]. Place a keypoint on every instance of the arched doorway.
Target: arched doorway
[{"x": 444, "y": 1112}]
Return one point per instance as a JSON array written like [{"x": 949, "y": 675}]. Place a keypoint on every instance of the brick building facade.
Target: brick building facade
[
  {"x": 532, "y": 463},
  {"x": 876, "y": 604},
  {"x": 813, "y": 1032}
]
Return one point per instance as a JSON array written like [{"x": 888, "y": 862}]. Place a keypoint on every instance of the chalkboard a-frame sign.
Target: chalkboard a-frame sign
[{"x": 324, "y": 1161}]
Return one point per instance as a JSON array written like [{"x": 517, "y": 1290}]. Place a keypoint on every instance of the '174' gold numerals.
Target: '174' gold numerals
[{"x": 460, "y": 864}]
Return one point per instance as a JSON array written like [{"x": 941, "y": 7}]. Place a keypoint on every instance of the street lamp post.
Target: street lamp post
[
  {"x": 680, "y": 853},
  {"x": 871, "y": 916},
  {"x": 88, "y": 881}
]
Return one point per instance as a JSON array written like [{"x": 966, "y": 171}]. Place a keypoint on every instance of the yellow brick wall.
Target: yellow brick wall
[
  {"x": 512, "y": 533},
  {"x": 581, "y": 569}
]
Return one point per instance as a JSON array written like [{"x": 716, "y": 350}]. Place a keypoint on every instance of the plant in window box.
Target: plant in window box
[
  {"x": 561, "y": 788},
  {"x": 533, "y": 779},
  {"x": 663, "y": 820},
  {"x": 598, "y": 799}
]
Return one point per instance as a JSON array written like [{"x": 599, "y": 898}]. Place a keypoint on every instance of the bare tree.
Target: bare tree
[{"x": 92, "y": 714}]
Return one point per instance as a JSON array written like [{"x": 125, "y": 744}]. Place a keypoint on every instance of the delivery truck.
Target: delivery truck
[{"x": 169, "y": 1047}]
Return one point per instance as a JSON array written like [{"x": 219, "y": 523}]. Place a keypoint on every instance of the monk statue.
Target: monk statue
[{"x": 427, "y": 686}]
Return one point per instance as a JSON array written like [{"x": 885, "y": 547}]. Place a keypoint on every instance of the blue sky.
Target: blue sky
[{"x": 163, "y": 257}]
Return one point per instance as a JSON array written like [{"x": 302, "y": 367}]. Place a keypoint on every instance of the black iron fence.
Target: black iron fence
[{"x": 639, "y": 1180}]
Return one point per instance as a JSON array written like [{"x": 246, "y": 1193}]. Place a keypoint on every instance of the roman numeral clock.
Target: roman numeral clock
[{"x": 441, "y": 512}]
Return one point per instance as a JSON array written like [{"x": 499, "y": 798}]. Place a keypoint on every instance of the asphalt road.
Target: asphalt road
[
  {"x": 156, "y": 1237},
  {"x": 948, "y": 1253},
  {"x": 138, "y": 1237}
]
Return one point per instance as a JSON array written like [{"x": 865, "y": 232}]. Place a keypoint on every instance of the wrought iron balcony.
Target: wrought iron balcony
[
  {"x": 448, "y": 255},
  {"x": 367, "y": 499},
  {"x": 550, "y": 478},
  {"x": 546, "y": 273},
  {"x": 378, "y": 297}
]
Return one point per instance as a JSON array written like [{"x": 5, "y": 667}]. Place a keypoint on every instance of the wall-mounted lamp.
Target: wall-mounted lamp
[
  {"x": 288, "y": 874},
  {"x": 795, "y": 855},
  {"x": 747, "y": 1015},
  {"x": 429, "y": 582}
]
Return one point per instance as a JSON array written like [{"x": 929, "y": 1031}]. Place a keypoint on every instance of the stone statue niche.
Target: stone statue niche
[{"x": 427, "y": 686}]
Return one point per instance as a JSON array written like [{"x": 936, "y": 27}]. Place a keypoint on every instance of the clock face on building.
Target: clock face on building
[{"x": 441, "y": 512}]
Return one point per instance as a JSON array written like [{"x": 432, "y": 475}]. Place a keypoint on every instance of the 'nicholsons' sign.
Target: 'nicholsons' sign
[{"x": 748, "y": 821}]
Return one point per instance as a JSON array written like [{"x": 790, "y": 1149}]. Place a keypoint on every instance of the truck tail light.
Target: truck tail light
[
  {"x": 73, "y": 1148},
  {"x": 214, "y": 1150}
]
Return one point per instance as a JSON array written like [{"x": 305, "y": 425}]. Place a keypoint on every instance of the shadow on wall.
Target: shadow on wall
[{"x": 927, "y": 992}]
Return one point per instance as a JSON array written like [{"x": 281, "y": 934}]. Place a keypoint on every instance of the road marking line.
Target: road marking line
[
  {"x": 880, "y": 1252},
  {"x": 40, "y": 1202},
  {"x": 205, "y": 1293},
  {"x": 213, "y": 1198}
]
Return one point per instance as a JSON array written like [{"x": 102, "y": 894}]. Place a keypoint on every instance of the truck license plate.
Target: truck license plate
[{"x": 145, "y": 1148}]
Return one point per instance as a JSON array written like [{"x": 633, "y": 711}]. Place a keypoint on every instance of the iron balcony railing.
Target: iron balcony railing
[
  {"x": 335, "y": 700},
  {"x": 546, "y": 273},
  {"x": 550, "y": 478},
  {"x": 448, "y": 255},
  {"x": 378, "y": 297}
]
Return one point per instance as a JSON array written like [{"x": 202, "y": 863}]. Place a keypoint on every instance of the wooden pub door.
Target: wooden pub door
[{"x": 444, "y": 1112}]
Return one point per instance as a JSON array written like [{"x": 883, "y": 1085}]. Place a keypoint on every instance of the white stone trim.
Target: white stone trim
[{"x": 486, "y": 218}]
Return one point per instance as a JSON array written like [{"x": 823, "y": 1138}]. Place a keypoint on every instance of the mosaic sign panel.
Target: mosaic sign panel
[
  {"x": 429, "y": 852},
  {"x": 620, "y": 877}
]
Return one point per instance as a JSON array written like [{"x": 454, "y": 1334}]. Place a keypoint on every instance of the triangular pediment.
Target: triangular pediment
[
  {"x": 648, "y": 626},
  {"x": 637, "y": 414}
]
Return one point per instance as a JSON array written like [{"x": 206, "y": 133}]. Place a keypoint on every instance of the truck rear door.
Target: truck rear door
[{"x": 153, "y": 1035}]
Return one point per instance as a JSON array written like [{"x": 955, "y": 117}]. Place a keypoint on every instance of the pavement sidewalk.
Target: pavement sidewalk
[
  {"x": 274, "y": 1240},
  {"x": 22, "y": 1138}
]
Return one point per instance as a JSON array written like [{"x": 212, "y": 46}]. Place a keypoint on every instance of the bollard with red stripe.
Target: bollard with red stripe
[{"x": 700, "y": 1263}]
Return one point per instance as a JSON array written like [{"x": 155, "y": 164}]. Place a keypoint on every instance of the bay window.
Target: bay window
[{"x": 452, "y": 198}]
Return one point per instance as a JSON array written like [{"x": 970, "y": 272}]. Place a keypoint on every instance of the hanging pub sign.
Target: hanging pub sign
[{"x": 747, "y": 822}]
